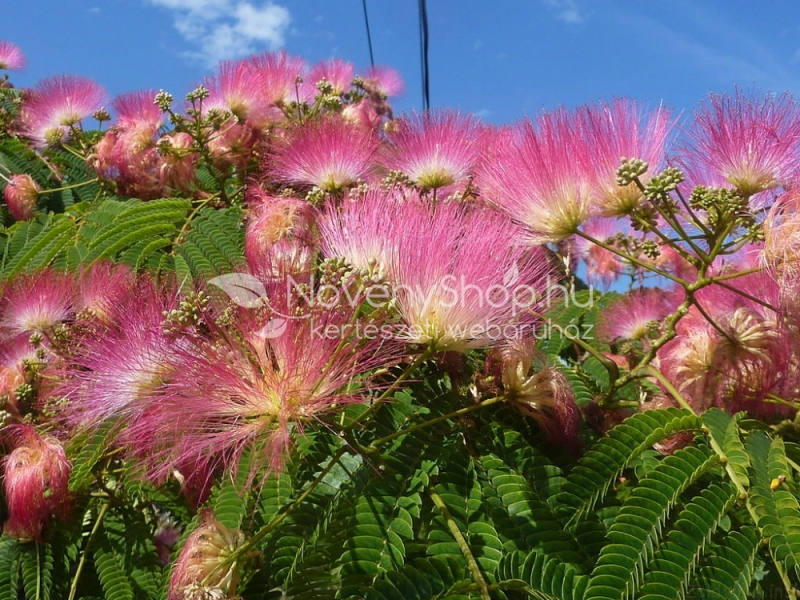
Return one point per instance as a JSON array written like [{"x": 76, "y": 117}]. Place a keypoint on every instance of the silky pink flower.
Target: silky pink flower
[
  {"x": 238, "y": 88},
  {"x": 435, "y": 149},
  {"x": 259, "y": 383},
  {"x": 282, "y": 74},
  {"x": 384, "y": 80},
  {"x": 11, "y": 57},
  {"x": 233, "y": 146},
  {"x": 616, "y": 130},
  {"x": 736, "y": 361},
  {"x": 138, "y": 122},
  {"x": 538, "y": 390},
  {"x": 362, "y": 113},
  {"x": 36, "y": 302},
  {"x": 465, "y": 278},
  {"x": 178, "y": 161},
  {"x": 782, "y": 236},
  {"x": 36, "y": 478},
  {"x": 58, "y": 103},
  {"x": 329, "y": 154},
  {"x": 752, "y": 142},
  {"x": 539, "y": 175},
  {"x": 280, "y": 237},
  {"x": 338, "y": 73},
  {"x": 115, "y": 374},
  {"x": 21, "y": 193},
  {"x": 102, "y": 288},
  {"x": 631, "y": 316},
  {"x": 16, "y": 356},
  {"x": 199, "y": 571},
  {"x": 363, "y": 231},
  {"x": 138, "y": 108}
]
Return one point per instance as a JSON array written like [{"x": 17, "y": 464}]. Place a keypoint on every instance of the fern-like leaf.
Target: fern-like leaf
[
  {"x": 729, "y": 572},
  {"x": 668, "y": 573},
  {"x": 596, "y": 471},
  {"x": 724, "y": 429},
  {"x": 637, "y": 528},
  {"x": 775, "y": 506},
  {"x": 37, "y": 570},
  {"x": 9, "y": 568},
  {"x": 542, "y": 577}
]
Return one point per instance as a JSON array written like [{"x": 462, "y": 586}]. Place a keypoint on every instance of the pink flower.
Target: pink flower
[
  {"x": 198, "y": 572},
  {"x": 282, "y": 75},
  {"x": 11, "y": 57},
  {"x": 539, "y": 175},
  {"x": 622, "y": 129},
  {"x": 58, "y": 103},
  {"x": 177, "y": 166},
  {"x": 138, "y": 122},
  {"x": 362, "y": 113},
  {"x": 36, "y": 302},
  {"x": 115, "y": 374},
  {"x": 363, "y": 231},
  {"x": 102, "y": 289},
  {"x": 258, "y": 381},
  {"x": 21, "y": 194},
  {"x": 17, "y": 355},
  {"x": 280, "y": 237},
  {"x": 329, "y": 154},
  {"x": 338, "y": 73},
  {"x": 383, "y": 80},
  {"x": 538, "y": 390},
  {"x": 752, "y": 142},
  {"x": 465, "y": 278},
  {"x": 435, "y": 149},
  {"x": 631, "y": 316},
  {"x": 233, "y": 145},
  {"x": 36, "y": 478},
  {"x": 239, "y": 89},
  {"x": 737, "y": 360},
  {"x": 782, "y": 236},
  {"x": 138, "y": 108}
]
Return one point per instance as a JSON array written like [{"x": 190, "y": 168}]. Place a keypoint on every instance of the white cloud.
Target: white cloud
[
  {"x": 567, "y": 11},
  {"x": 226, "y": 29}
]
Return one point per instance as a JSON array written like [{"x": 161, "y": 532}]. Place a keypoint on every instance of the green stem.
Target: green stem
[
  {"x": 187, "y": 222},
  {"x": 452, "y": 415},
  {"x": 69, "y": 187},
  {"x": 73, "y": 589},
  {"x": 474, "y": 568},
  {"x": 719, "y": 278}
]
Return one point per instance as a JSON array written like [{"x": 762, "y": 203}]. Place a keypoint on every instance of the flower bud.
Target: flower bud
[
  {"x": 199, "y": 572},
  {"x": 544, "y": 395},
  {"x": 20, "y": 195},
  {"x": 36, "y": 478}
]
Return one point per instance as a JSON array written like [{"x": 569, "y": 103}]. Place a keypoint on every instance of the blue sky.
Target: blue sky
[{"x": 500, "y": 59}]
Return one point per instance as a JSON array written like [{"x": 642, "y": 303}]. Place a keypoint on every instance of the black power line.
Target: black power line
[
  {"x": 369, "y": 37},
  {"x": 423, "y": 37}
]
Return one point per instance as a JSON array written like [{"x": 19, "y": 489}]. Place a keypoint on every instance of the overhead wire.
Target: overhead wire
[
  {"x": 369, "y": 37},
  {"x": 424, "y": 37}
]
